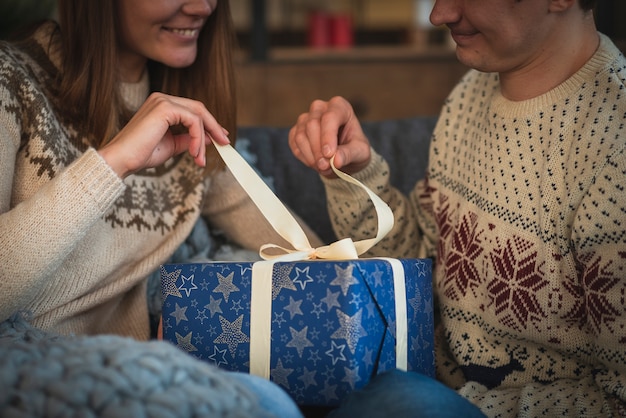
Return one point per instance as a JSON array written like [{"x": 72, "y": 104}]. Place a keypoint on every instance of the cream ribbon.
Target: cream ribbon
[
  {"x": 287, "y": 227},
  {"x": 399, "y": 288}
]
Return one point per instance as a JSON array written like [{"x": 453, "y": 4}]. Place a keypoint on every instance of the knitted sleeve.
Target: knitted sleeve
[
  {"x": 600, "y": 240},
  {"x": 39, "y": 233},
  {"x": 353, "y": 215},
  {"x": 43, "y": 213}
]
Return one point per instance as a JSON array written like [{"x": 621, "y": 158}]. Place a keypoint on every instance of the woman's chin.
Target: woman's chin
[{"x": 179, "y": 60}]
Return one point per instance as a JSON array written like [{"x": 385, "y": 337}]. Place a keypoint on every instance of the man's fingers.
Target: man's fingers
[
  {"x": 337, "y": 115},
  {"x": 319, "y": 134}
]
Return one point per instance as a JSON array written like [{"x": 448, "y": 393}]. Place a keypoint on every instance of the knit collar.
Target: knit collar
[
  {"x": 134, "y": 94},
  {"x": 606, "y": 57}
]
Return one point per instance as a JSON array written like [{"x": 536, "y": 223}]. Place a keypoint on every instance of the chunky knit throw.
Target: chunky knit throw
[{"x": 47, "y": 375}]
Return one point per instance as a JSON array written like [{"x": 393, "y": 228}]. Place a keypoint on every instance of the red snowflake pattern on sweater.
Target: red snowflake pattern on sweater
[
  {"x": 518, "y": 278},
  {"x": 462, "y": 274},
  {"x": 592, "y": 306}
]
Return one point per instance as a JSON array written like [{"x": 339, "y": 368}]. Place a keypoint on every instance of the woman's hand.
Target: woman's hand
[
  {"x": 147, "y": 140},
  {"x": 330, "y": 129}
]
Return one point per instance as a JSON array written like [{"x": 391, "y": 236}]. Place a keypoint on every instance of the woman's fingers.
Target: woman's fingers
[
  {"x": 202, "y": 127},
  {"x": 150, "y": 138}
]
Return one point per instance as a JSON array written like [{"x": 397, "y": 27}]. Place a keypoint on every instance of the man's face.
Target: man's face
[{"x": 497, "y": 35}]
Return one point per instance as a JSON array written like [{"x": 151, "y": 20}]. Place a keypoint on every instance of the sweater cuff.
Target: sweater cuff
[{"x": 96, "y": 178}]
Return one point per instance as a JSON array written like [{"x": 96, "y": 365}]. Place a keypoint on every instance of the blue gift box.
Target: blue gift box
[{"x": 331, "y": 324}]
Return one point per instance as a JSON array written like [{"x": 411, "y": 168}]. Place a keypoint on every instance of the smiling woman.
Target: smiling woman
[
  {"x": 133, "y": 37},
  {"x": 101, "y": 156},
  {"x": 107, "y": 118},
  {"x": 162, "y": 34}
]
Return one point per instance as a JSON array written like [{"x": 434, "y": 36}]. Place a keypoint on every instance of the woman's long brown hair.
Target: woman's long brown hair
[{"x": 89, "y": 83}]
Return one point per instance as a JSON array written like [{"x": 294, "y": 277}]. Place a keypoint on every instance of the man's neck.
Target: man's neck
[{"x": 554, "y": 66}]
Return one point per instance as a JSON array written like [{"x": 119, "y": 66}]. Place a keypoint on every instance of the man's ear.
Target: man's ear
[{"x": 561, "y": 5}]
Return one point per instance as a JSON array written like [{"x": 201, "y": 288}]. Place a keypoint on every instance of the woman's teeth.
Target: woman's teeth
[{"x": 185, "y": 32}]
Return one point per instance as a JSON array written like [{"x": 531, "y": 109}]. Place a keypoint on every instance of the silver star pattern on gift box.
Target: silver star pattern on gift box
[{"x": 333, "y": 323}]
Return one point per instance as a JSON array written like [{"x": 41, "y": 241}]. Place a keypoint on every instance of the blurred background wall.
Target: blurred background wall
[
  {"x": 382, "y": 55},
  {"x": 392, "y": 64}
]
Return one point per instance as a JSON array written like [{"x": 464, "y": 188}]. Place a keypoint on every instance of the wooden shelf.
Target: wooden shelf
[{"x": 359, "y": 54}]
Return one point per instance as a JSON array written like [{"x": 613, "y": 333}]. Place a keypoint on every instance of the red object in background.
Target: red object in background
[
  {"x": 341, "y": 34},
  {"x": 326, "y": 30},
  {"x": 319, "y": 30}
]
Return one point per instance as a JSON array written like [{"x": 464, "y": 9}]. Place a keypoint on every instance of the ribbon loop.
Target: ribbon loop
[{"x": 286, "y": 225}]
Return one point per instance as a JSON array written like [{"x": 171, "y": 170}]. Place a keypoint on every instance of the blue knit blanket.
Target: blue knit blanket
[{"x": 47, "y": 375}]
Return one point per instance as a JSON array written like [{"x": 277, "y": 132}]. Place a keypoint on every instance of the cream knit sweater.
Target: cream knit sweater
[
  {"x": 524, "y": 210},
  {"x": 77, "y": 242}
]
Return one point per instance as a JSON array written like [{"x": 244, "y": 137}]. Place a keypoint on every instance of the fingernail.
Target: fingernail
[{"x": 326, "y": 150}]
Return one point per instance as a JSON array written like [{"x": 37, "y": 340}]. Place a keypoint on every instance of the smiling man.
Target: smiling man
[{"x": 523, "y": 210}]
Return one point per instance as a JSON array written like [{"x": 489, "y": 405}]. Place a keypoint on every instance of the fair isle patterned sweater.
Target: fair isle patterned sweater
[
  {"x": 77, "y": 242},
  {"x": 524, "y": 210}
]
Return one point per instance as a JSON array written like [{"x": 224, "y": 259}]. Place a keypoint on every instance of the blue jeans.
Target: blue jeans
[{"x": 405, "y": 394}]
